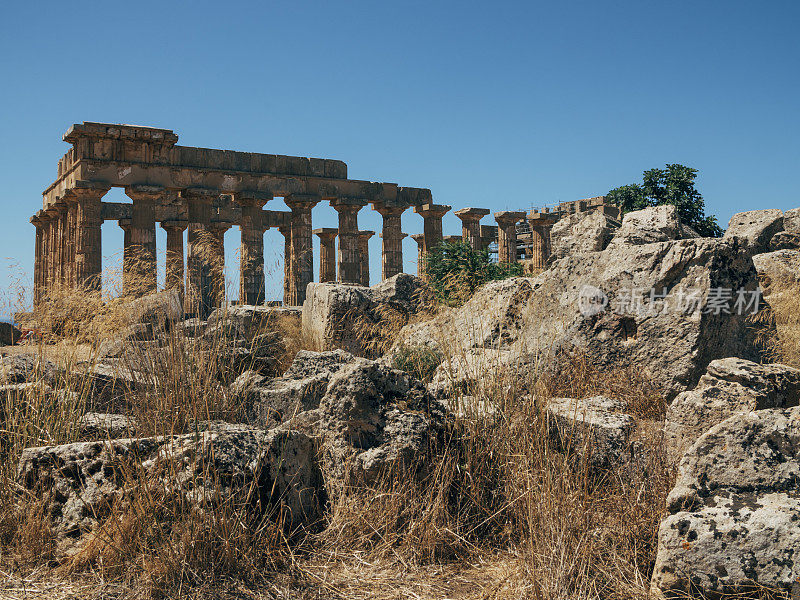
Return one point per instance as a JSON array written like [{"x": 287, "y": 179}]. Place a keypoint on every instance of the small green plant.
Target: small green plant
[
  {"x": 420, "y": 361},
  {"x": 455, "y": 270}
]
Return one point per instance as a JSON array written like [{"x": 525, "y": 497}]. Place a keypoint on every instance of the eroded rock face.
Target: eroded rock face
[
  {"x": 755, "y": 228},
  {"x": 374, "y": 419},
  {"x": 300, "y": 389},
  {"x": 26, "y": 368},
  {"x": 106, "y": 426},
  {"x": 594, "y": 426},
  {"x": 791, "y": 220},
  {"x": 581, "y": 232},
  {"x": 730, "y": 386},
  {"x": 658, "y": 312},
  {"x": 248, "y": 321},
  {"x": 654, "y": 224},
  {"x": 360, "y": 319},
  {"x": 777, "y": 269},
  {"x": 82, "y": 482},
  {"x": 735, "y": 509}
]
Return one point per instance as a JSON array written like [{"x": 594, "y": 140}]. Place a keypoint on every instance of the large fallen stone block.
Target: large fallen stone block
[
  {"x": 596, "y": 427},
  {"x": 248, "y": 321},
  {"x": 82, "y": 483},
  {"x": 666, "y": 309},
  {"x": 272, "y": 401},
  {"x": 581, "y": 232},
  {"x": 361, "y": 320},
  {"x": 730, "y": 386},
  {"x": 777, "y": 270},
  {"x": 375, "y": 419},
  {"x": 26, "y": 368},
  {"x": 649, "y": 225},
  {"x": 734, "y": 511},
  {"x": 755, "y": 228}
]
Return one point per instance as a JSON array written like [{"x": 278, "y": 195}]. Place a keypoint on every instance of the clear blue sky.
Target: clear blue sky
[{"x": 500, "y": 105}]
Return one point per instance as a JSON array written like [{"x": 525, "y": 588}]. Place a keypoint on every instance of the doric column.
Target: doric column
[
  {"x": 348, "y": 256},
  {"x": 392, "y": 240},
  {"x": 37, "y": 259},
  {"x": 286, "y": 232},
  {"x": 471, "y": 225},
  {"x": 127, "y": 256},
  {"x": 420, "y": 239},
  {"x": 301, "y": 266},
  {"x": 89, "y": 249},
  {"x": 432, "y": 218},
  {"x": 217, "y": 231},
  {"x": 52, "y": 235},
  {"x": 251, "y": 253},
  {"x": 174, "y": 272},
  {"x": 363, "y": 249},
  {"x": 44, "y": 217},
  {"x": 72, "y": 219},
  {"x": 540, "y": 223},
  {"x": 143, "y": 234},
  {"x": 61, "y": 244},
  {"x": 327, "y": 253},
  {"x": 199, "y": 288},
  {"x": 507, "y": 235}
]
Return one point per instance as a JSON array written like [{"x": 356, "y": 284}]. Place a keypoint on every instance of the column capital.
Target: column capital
[
  {"x": 138, "y": 190},
  {"x": 419, "y": 238},
  {"x": 174, "y": 225},
  {"x": 432, "y": 210},
  {"x": 365, "y": 235},
  {"x": 307, "y": 201},
  {"x": 387, "y": 210},
  {"x": 347, "y": 203},
  {"x": 37, "y": 220},
  {"x": 508, "y": 217},
  {"x": 197, "y": 194},
  {"x": 219, "y": 226},
  {"x": 326, "y": 232},
  {"x": 124, "y": 224},
  {"x": 544, "y": 219},
  {"x": 469, "y": 215},
  {"x": 252, "y": 198},
  {"x": 399, "y": 236}
]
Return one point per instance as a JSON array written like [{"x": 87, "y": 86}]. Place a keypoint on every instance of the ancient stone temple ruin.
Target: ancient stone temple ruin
[{"x": 206, "y": 192}]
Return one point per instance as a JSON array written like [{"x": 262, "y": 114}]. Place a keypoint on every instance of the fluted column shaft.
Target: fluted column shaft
[
  {"x": 327, "y": 253},
  {"x": 363, "y": 249},
  {"x": 420, "y": 239},
  {"x": 72, "y": 218},
  {"x": 349, "y": 255},
  {"x": 61, "y": 244},
  {"x": 174, "y": 261},
  {"x": 217, "y": 231},
  {"x": 432, "y": 223},
  {"x": 391, "y": 241},
  {"x": 301, "y": 266},
  {"x": 507, "y": 235},
  {"x": 37, "y": 260},
  {"x": 143, "y": 234},
  {"x": 471, "y": 225},
  {"x": 127, "y": 257},
  {"x": 89, "y": 249},
  {"x": 540, "y": 224},
  {"x": 200, "y": 287}
]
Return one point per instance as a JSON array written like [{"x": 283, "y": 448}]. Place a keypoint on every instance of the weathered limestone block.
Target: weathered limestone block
[
  {"x": 730, "y": 386},
  {"x": 106, "y": 426},
  {"x": 581, "y": 232},
  {"x": 248, "y": 321},
  {"x": 26, "y": 368},
  {"x": 81, "y": 482},
  {"x": 755, "y": 228},
  {"x": 791, "y": 220},
  {"x": 784, "y": 240},
  {"x": 734, "y": 510},
  {"x": 359, "y": 319},
  {"x": 273, "y": 401},
  {"x": 654, "y": 224},
  {"x": 375, "y": 419},
  {"x": 595, "y": 427},
  {"x": 656, "y": 312},
  {"x": 778, "y": 271}
]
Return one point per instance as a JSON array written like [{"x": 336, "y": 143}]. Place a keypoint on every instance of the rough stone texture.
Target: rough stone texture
[
  {"x": 734, "y": 510},
  {"x": 785, "y": 240},
  {"x": 654, "y": 224},
  {"x": 106, "y": 426},
  {"x": 596, "y": 426},
  {"x": 539, "y": 319},
  {"x": 158, "y": 309},
  {"x": 9, "y": 335},
  {"x": 777, "y": 269},
  {"x": 82, "y": 481},
  {"x": 730, "y": 386},
  {"x": 791, "y": 220},
  {"x": 374, "y": 419},
  {"x": 249, "y": 321},
  {"x": 355, "y": 318},
  {"x": 272, "y": 401},
  {"x": 581, "y": 232},
  {"x": 26, "y": 368},
  {"x": 114, "y": 347},
  {"x": 755, "y": 228}
]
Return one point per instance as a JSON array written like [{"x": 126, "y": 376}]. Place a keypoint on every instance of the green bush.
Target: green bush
[
  {"x": 420, "y": 361},
  {"x": 455, "y": 270}
]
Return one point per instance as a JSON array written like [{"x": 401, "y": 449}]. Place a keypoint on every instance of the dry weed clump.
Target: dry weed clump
[{"x": 780, "y": 320}]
